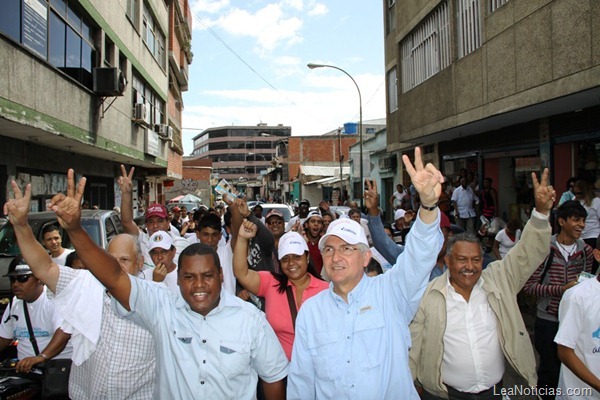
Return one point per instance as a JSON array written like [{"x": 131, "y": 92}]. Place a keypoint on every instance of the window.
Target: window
[
  {"x": 391, "y": 17},
  {"x": 468, "y": 24},
  {"x": 131, "y": 11},
  {"x": 155, "y": 106},
  {"x": 56, "y": 31},
  {"x": 154, "y": 39},
  {"x": 496, "y": 4},
  {"x": 426, "y": 50},
  {"x": 392, "y": 83}
]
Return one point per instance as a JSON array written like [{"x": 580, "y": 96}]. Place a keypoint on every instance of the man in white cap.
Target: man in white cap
[
  {"x": 333, "y": 354},
  {"x": 162, "y": 253}
]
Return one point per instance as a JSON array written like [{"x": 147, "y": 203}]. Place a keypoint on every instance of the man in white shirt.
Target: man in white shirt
[
  {"x": 45, "y": 321},
  {"x": 578, "y": 341},
  {"x": 463, "y": 199},
  {"x": 469, "y": 319},
  {"x": 53, "y": 242},
  {"x": 162, "y": 253}
]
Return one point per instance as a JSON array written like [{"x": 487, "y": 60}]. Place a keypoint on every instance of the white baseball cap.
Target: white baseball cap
[
  {"x": 346, "y": 229},
  {"x": 291, "y": 243},
  {"x": 399, "y": 214},
  {"x": 160, "y": 240}
]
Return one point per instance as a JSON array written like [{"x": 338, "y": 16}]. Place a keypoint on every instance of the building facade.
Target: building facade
[
  {"x": 86, "y": 86},
  {"x": 499, "y": 87},
  {"x": 241, "y": 154}
]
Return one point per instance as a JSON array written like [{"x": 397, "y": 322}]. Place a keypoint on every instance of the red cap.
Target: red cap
[
  {"x": 176, "y": 209},
  {"x": 156, "y": 210}
]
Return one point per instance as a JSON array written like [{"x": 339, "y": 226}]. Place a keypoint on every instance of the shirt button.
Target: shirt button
[
  {"x": 202, "y": 382},
  {"x": 348, "y": 361},
  {"x": 204, "y": 341},
  {"x": 203, "y": 361},
  {"x": 347, "y": 337}
]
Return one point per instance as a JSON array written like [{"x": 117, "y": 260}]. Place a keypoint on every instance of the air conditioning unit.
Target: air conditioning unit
[
  {"x": 170, "y": 134},
  {"x": 162, "y": 130},
  {"x": 140, "y": 113},
  {"x": 109, "y": 82}
]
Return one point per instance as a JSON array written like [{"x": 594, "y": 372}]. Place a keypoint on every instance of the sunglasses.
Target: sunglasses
[{"x": 19, "y": 278}]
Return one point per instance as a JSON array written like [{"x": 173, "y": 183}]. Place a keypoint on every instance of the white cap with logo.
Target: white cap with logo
[
  {"x": 291, "y": 243},
  {"x": 160, "y": 240},
  {"x": 346, "y": 229}
]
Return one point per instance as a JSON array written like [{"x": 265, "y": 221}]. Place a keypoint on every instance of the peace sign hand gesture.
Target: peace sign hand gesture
[{"x": 68, "y": 207}]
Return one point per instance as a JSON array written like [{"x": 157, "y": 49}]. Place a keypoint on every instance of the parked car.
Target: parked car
[
  {"x": 101, "y": 225},
  {"x": 283, "y": 208}
]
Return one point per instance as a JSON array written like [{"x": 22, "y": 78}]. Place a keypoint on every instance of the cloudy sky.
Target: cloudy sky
[{"x": 250, "y": 61}]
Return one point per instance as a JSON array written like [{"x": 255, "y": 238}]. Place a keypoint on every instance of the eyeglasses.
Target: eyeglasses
[
  {"x": 346, "y": 250},
  {"x": 19, "y": 278}
]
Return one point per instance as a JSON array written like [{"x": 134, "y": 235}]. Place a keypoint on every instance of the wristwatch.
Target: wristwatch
[{"x": 433, "y": 207}]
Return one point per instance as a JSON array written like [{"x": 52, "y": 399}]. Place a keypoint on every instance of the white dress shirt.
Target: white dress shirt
[{"x": 473, "y": 359}]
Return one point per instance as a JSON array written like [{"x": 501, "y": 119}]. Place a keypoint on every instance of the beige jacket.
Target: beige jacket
[{"x": 502, "y": 280}]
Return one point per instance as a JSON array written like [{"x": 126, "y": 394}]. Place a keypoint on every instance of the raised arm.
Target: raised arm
[
  {"x": 427, "y": 181},
  {"x": 126, "y": 184},
  {"x": 34, "y": 253},
  {"x": 382, "y": 242},
  {"x": 105, "y": 267},
  {"x": 248, "y": 278}
]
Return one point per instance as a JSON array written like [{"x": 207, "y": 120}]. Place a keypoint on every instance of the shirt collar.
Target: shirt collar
[{"x": 354, "y": 294}]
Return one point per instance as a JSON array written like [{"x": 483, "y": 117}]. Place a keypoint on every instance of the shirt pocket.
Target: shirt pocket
[
  {"x": 234, "y": 357},
  {"x": 183, "y": 341},
  {"x": 321, "y": 346},
  {"x": 369, "y": 329}
]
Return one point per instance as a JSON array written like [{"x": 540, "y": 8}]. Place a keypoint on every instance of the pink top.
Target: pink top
[{"x": 277, "y": 307}]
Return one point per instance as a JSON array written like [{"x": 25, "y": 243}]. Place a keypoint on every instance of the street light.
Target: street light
[{"x": 313, "y": 66}]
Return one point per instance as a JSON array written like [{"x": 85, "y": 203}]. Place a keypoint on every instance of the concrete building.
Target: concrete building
[
  {"x": 241, "y": 154},
  {"x": 86, "y": 85},
  {"x": 499, "y": 87}
]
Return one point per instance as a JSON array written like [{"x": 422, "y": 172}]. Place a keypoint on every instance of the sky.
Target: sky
[{"x": 250, "y": 59}]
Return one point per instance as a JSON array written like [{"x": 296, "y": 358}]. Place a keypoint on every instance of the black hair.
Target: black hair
[
  {"x": 71, "y": 258},
  {"x": 227, "y": 218},
  {"x": 571, "y": 208},
  {"x": 50, "y": 228},
  {"x": 199, "y": 249},
  {"x": 572, "y": 180},
  {"x": 257, "y": 206},
  {"x": 282, "y": 278},
  {"x": 199, "y": 213},
  {"x": 209, "y": 221},
  {"x": 374, "y": 266}
]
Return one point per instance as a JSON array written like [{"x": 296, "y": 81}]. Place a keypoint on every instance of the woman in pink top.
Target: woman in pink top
[{"x": 297, "y": 275}]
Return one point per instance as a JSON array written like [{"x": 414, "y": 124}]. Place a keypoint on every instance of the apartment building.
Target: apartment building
[
  {"x": 499, "y": 87},
  {"x": 86, "y": 85},
  {"x": 241, "y": 154}
]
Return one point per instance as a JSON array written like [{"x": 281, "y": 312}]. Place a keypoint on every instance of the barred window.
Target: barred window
[
  {"x": 154, "y": 39},
  {"x": 426, "y": 50},
  {"x": 496, "y": 4},
  {"x": 468, "y": 21}
]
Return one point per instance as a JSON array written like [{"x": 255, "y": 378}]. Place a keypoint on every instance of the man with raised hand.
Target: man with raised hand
[
  {"x": 156, "y": 218},
  {"x": 469, "y": 321},
  {"x": 352, "y": 340},
  {"x": 112, "y": 358},
  {"x": 209, "y": 344}
]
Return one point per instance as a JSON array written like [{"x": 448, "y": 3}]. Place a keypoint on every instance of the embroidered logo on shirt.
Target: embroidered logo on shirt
[
  {"x": 596, "y": 334},
  {"x": 365, "y": 309},
  {"x": 226, "y": 350},
  {"x": 186, "y": 340}
]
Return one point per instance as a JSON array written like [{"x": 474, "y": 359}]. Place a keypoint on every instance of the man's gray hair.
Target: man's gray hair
[{"x": 462, "y": 237}]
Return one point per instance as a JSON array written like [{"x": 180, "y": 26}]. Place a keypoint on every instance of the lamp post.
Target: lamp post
[{"x": 313, "y": 66}]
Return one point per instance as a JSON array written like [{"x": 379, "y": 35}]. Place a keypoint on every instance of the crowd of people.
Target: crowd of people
[{"x": 225, "y": 303}]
